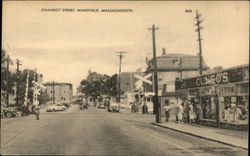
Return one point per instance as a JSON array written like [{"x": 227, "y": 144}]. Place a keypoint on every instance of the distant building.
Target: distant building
[
  {"x": 128, "y": 80},
  {"x": 170, "y": 67},
  {"x": 59, "y": 92}
]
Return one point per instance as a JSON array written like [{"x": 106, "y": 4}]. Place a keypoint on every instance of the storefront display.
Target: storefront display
[{"x": 222, "y": 96}]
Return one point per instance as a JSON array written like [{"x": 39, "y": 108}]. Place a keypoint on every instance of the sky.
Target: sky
[{"x": 63, "y": 46}]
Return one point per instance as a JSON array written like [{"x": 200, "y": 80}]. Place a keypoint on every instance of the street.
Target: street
[{"x": 98, "y": 132}]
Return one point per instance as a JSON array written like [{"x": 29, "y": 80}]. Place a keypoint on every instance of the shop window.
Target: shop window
[
  {"x": 235, "y": 110},
  {"x": 208, "y": 107}
]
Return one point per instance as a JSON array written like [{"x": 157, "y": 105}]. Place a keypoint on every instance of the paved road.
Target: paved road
[{"x": 98, "y": 132}]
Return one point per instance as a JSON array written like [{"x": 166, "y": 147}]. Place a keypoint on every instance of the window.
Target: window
[{"x": 166, "y": 102}]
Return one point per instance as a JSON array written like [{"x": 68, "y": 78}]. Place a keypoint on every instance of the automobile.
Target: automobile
[
  {"x": 101, "y": 106},
  {"x": 113, "y": 107},
  {"x": 9, "y": 111},
  {"x": 56, "y": 107}
]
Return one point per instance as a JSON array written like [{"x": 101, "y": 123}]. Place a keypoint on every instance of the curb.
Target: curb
[{"x": 202, "y": 137}]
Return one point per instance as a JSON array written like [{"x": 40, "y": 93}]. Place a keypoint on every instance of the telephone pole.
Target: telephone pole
[
  {"x": 120, "y": 69},
  {"x": 179, "y": 60},
  {"x": 199, "y": 21},
  {"x": 7, "y": 80},
  {"x": 53, "y": 91},
  {"x": 18, "y": 63},
  {"x": 156, "y": 102}
]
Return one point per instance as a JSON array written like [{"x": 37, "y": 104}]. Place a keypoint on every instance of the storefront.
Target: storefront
[{"x": 220, "y": 99}]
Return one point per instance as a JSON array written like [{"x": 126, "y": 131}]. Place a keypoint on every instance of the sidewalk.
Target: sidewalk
[{"x": 229, "y": 137}]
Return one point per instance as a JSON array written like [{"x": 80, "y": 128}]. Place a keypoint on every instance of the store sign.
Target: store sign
[
  {"x": 227, "y": 76},
  {"x": 212, "y": 79}
]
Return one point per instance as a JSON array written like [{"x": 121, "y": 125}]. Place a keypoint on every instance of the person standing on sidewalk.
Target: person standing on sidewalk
[
  {"x": 167, "y": 109},
  {"x": 191, "y": 113},
  {"x": 37, "y": 111},
  {"x": 180, "y": 112}
]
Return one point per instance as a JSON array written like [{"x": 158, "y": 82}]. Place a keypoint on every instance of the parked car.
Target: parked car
[
  {"x": 9, "y": 111},
  {"x": 56, "y": 107},
  {"x": 113, "y": 107},
  {"x": 101, "y": 106}
]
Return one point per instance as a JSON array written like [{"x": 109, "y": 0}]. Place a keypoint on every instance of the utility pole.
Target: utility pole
[
  {"x": 53, "y": 91},
  {"x": 158, "y": 106},
  {"x": 7, "y": 80},
  {"x": 199, "y": 21},
  {"x": 120, "y": 69},
  {"x": 180, "y": 65},
  {"x": 18, "y": 63}
]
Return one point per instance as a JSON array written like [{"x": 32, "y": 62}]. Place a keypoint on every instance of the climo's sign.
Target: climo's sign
[
  {"x": 212, "y": 79},
  {"x": 223, "y": 77}
]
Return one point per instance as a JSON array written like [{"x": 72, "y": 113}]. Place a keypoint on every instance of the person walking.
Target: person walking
[
  {"x": 167, "y": 109},
  {"x": 180, "y": 112},
  {"x": 37, "y": 111}
]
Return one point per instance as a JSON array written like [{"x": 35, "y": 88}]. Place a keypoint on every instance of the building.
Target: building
[
  {"x": 221, "y": 97},
  {"x": 59, "y": 92},
  {"x": 128, "y": 81},
  {"x": 170, "y": 67}
]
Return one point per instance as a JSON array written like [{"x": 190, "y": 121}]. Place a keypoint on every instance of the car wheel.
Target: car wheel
[
  {"x": 53, "y": 110},
  {"x": 9, "y": 114}
]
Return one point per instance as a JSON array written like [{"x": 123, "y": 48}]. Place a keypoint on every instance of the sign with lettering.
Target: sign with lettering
[{"x": 223, "y": 77}]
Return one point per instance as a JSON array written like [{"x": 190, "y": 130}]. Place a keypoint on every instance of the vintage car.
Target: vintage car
[
  {"x": 101, "y": 106},
  {"x": 114, "y": 107},
  {"x": 56, "y": 107},
  {"x": 9, "y": 111}
]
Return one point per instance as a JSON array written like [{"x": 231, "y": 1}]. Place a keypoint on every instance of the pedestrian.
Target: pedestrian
[
  {"x": 191, "y": 113},
  {"x": 133, "y": 107},
  {"x": 37, "y": 111},
  {"x": 176, "y": 113},
  {"x": 145, "y": 109},
  {"x": 167, "y": 109},
  {"x": 180, "y": 112}
]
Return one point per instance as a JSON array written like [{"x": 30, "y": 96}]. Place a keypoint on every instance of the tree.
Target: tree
[
  {"x": 95, "y": 84},
  {"x": 7, "y": 78}
]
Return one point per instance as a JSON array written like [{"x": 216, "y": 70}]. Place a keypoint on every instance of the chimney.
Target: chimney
[{"x": 163, "y": 51}]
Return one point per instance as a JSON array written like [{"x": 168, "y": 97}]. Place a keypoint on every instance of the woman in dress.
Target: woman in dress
[
  {"x": 180, "y": 112},
  {"x": 191, "y": 113}
]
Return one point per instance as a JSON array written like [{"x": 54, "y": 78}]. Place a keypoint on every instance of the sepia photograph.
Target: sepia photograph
[{"x": 125, "y": 78}]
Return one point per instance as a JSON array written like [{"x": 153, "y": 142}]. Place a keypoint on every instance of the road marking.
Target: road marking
[{"x": 163, "y": 140}]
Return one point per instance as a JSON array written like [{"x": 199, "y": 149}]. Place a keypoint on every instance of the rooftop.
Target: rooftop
[{"x": 170, "y": 62}]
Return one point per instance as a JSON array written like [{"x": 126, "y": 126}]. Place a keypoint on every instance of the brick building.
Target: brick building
[{"x": 59, "y": 92}]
